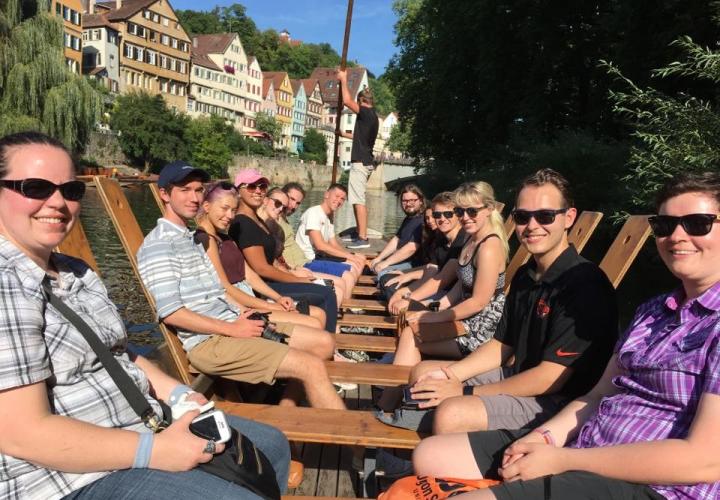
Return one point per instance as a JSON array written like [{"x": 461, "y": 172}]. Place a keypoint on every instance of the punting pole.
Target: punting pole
[{"x": 343, "y": 65}]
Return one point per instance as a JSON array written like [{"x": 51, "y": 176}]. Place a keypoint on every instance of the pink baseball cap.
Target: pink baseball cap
[{"x": 249, "y": 176}]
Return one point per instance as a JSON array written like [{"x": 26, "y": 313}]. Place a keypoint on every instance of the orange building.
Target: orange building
[{"x": 71, "y": 13}]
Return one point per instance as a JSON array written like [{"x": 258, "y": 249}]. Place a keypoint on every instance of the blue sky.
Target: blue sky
[{"x": 316, "y": 21}]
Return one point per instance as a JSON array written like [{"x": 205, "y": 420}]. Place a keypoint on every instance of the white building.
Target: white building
[
  {"x": 217, "y": 77},
  {"x": 253, "y": 93},
  {"x": 101, "y": 50}
]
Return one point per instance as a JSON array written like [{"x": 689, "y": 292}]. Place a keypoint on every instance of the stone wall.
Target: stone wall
[
  {"x": 281, "y": 170},
  {"x": 104, "y": 149},
  {"x": 311, "y": 175}
]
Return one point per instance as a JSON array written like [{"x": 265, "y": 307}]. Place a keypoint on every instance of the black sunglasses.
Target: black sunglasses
[
  {"x": 471, "y": 211},
  {"x": 543, "y": 217},
  {"x": 278, "y": 203},
  {"x": 693, "y": 224},
  {"x": 224, "y": 185},
  {"x": 262, "y": 186},
  {"x": 448, "y": 214},
  {"x": 42, "y": 189}
]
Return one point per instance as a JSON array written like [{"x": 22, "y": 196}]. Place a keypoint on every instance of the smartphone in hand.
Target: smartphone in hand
[{"x": 212, "y": 426}]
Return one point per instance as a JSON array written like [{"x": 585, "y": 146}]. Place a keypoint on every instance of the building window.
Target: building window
[
  {"x": 165, "y": 40},
  {"x": 58, "y": 9},
  {"x": 76, "y": 18},
  {"x": 151, "y": 57},
  {"x": 165, "y": 21}
]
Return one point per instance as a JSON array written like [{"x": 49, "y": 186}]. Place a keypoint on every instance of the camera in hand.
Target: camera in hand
[
  {"x": 434, "y": 305},
  {"x": 269, "y": 332},
  {"x": 410, "y": 403},
  {"x": 303, "y": 306}
]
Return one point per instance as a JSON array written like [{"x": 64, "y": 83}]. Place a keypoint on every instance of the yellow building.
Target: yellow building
[
  {"x": 71, "y": 13},
  {"x": 284, "y": 102},
  {"x": 155, "y": 49}
]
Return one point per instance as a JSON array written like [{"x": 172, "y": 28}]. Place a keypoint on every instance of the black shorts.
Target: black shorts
[{"x": 488, "y": 448}]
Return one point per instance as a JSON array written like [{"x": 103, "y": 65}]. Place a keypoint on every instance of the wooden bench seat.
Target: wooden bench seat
[
  {"x": 366, "y": 291},
  {"x": 369, "y": 320},
  {"x": 371, "y": 343},
  {"x": 367, "y": 304},
  {"x": 368, "y": 373},
  {"x": 367, "y": 280}
]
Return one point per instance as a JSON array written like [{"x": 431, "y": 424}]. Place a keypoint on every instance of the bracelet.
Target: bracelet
[
  {"x": 144, "y": 450},
  {"x": 406, "y": 296},
  {"x": 468, "y": 390},
  {"x": 547, "y": 436},
  {"x": 178, "y": 391}
]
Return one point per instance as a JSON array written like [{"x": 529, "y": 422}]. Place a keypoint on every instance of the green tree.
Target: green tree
[
  {"x": 314, "y": 146},
  {"x": 400, "y": 138},
  {"x": 213, "y": 142},
  {"x": 383, "y": 95},
  {"x": 150, "y": 134},
  {"x": 200, "y": 22},
  {"x": 268, "y": 124},
  {"x": 37, "y": 91}
]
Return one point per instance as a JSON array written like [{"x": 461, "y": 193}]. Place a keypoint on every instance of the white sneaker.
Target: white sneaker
[{"x": 345, "y": 386}]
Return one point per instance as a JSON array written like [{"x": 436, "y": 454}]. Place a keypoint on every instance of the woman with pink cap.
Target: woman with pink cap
[{"x": 259, "y": 248}]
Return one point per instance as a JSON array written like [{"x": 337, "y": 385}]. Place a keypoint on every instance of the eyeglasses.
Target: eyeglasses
[
  {"x": 448, "y": 214},
  {"x": 256, "y": 186},
  {"x": 471, "y": 211},
  {"x": 409, "y": 200},
  {"x": 543, "y": 217},
  {"x": 693, "y": 224},
  {"x": 42, "y": 189},
  {"x": 278, "y": 203}
]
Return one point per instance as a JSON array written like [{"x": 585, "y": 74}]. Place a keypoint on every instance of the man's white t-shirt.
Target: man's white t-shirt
[{"x": 314, "y": 219}]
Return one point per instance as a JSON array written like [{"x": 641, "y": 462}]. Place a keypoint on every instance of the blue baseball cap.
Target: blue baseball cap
[{"x": 177, "y": 171}]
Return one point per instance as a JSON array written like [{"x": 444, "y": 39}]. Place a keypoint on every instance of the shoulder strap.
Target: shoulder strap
[
  {"x": 126, "y": 385},
  {"x": 471, "y": 260}
]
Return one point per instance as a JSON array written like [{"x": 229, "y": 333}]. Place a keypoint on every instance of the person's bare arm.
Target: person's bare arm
[
  {"x": 402, "y": 254},
  {"x": 389, "y": 248},
  {"x": 320, "y": 245},
  {"x": 31, "y": 432},
  {"x": 348, "y": 100},
  {"x": 545, "y": 378},
  {"x": 259, "y": 285},
  {"x": 185, "y": 319},
  {"x": 346, "y": 135}
]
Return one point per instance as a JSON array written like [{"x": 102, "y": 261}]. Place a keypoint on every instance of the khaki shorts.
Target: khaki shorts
[
  {"x": 253, "y": 360},
  {"x": 357, "y": 183},
  {"x": 515, "y": 412}
]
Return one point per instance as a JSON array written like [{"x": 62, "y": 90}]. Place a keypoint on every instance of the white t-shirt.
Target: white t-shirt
[{"x": 314, "y": 219}]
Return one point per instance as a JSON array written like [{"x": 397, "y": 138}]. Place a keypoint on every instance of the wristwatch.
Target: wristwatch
[{"x": 406, "y": 295}]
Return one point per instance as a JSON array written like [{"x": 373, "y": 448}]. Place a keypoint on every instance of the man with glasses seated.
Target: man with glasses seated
[
  {"x": 445, "y": 250},
  {"x": 403, "y": 252},
  {"x": 316, "y": 238},
  {"x": 557, "y": 331}
]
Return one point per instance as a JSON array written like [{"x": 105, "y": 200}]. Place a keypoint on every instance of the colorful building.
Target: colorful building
[
  {"x": 284, "y": 101},
  {"x": 217, "y": 79},
  {"x": 298, "y": 119},
  {"x": 101, "y": 50},
  {"x": 71, "y": 13},
  {"x": 253, "y": 93},
  {"x": 313, "y": 116},
  {"x": 154, "y": 48}
]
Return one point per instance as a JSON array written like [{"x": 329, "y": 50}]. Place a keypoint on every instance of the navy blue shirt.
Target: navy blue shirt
[{"x": 411, "y": 230}]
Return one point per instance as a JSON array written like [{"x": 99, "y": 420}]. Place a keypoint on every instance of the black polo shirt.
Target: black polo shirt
[
  {"x": 568, "y": 317},
  {"x": 410, "y": 230},
  {"x": 443, "y": 252}
]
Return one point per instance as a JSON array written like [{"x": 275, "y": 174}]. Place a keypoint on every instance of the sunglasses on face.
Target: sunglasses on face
[
  {"x": 693, "y": 224},
  {"x": 42, "y": 189},
  {"x": 256, "y": 186},
  {"x": 459, "y": 211},
  {"x": 448, "y": 214},
  {"x": 278, "y": 203},
  {"x": 543, "y": 217}
]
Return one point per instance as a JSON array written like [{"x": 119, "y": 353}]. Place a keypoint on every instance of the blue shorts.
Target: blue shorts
[{"x": 328, "y": 267}]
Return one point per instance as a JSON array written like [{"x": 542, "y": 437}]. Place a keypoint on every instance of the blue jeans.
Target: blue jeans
[
  {"x": 151, "y": 484},
  {"x": 318, "y": 295},
  {"x": 400, "y": 266}
]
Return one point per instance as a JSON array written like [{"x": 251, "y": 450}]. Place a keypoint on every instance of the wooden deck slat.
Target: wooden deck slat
[
  {"x": 315, "y": 425},
  {"x": 365, "y": 291},
  {"x": 368, "y": 373},
  {"x": 367, "y": 280},
  {"x": 368, "y": 320},
  {"x": 372, "y": 343},
  {"x": 367, "y": 304}
]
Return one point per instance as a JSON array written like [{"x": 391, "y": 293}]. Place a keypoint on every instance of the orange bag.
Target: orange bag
[{"x": 432, "y": 488}]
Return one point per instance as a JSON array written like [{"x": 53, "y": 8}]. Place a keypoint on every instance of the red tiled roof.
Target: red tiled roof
[
  {"x": 267, "y": 82},
  {"x": 295, "y": 84},
  {"x": 97, "y": 21},
  {"x": 309, "y": 84},
  {"x": 128, "y": 8},
  {"x": 204, "y": 60},
  {"x": 212, "y": 44},
  {"x": 276, "y": 76},
  {"x": 329, "y": 84}
]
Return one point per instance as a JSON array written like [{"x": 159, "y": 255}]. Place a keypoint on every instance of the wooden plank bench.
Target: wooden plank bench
[
  {"x": 367, "y": 304},
  {"x": 365, "y": 291},
  {"x": 371, "y": 343},
  {"x": 368, "y": 320}
]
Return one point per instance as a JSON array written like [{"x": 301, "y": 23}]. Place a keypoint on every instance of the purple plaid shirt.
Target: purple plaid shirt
[{"x": 669, "y": 357}]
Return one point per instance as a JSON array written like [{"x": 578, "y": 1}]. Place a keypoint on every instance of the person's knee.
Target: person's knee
[
  {"x": 303, "y": 366},
  {"x": 425, "y": 456},
  {"x": 325, "y": 344},
  {"x": 447, "y": 415}
]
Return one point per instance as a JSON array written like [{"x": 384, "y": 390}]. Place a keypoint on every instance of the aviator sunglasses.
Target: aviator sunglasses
[
  {"x": 543, "y": 217},
  {"x": 448, "y": 214},
  {"x": 693, "y": 224},
  {"x": 42, "y": 189},
  {"x": 256, "y": 186},
  {"x": 459, "y": 211}
]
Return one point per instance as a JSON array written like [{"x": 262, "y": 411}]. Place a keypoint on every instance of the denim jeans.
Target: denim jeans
[
  {"x": 151, "y": 484},
  {"x": 318, "y": 295}
]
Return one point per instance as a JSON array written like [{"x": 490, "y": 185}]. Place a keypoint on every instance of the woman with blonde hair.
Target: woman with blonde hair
[{"x": 469, "y": 313}]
